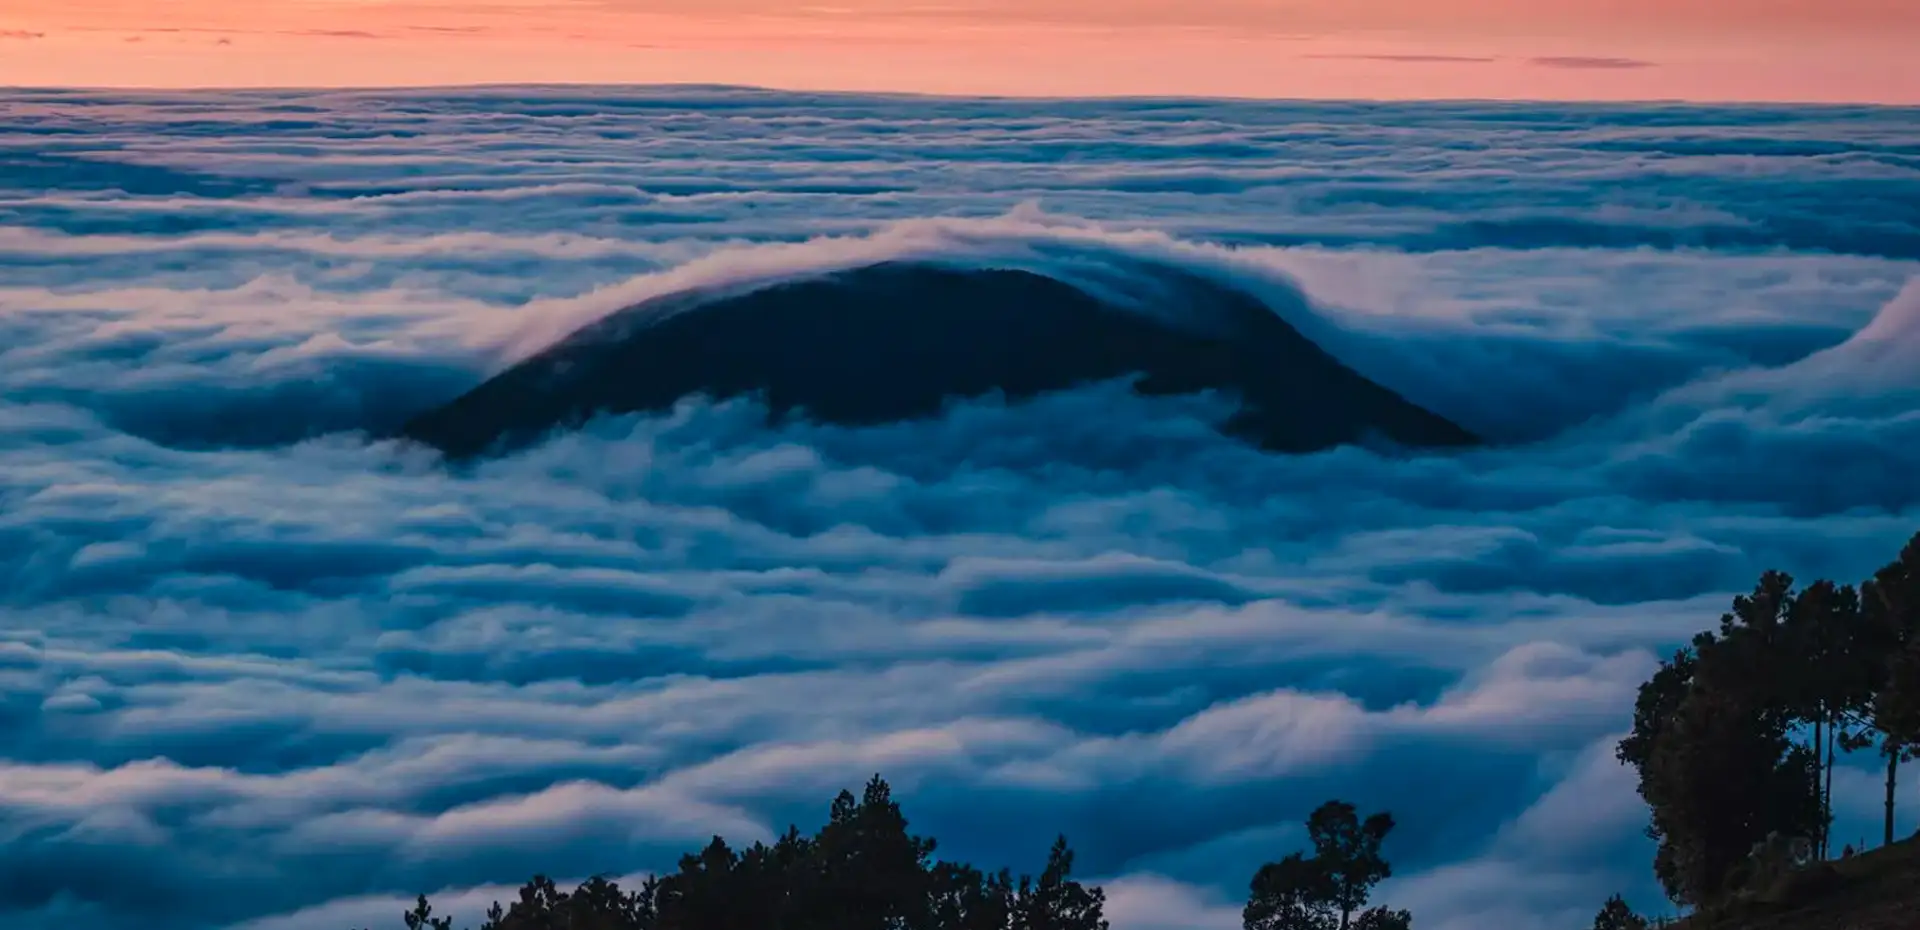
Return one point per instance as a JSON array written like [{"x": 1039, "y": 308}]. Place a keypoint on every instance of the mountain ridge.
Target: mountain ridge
[{"x": 899, "y": 340}]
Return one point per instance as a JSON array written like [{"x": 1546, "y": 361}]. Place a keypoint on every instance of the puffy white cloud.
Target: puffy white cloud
[{"x": 256, "y": 671}]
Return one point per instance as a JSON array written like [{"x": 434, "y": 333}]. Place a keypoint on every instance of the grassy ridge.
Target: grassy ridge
[{"x": 1878, "y": 890}]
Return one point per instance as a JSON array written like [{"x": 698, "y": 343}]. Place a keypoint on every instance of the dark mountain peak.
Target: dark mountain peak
[{"x": 899, "y": 340}]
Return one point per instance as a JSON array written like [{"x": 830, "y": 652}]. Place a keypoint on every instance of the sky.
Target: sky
[{"x": 1706, "y": 50}]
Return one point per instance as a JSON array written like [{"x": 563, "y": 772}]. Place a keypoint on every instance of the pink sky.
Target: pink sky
[{"x": 1779, "y": 50}]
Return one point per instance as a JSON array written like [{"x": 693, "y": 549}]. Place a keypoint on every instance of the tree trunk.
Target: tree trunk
[
  {"x": 1826, "y": 794},
  {"x": 1819, "y": 744},
  {"x": 1893, "y": 771}
]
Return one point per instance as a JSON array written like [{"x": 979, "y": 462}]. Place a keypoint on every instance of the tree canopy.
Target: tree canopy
[
  {"x": 1323, "y": 892},
  {"x": 863, "y": 870},
  {"x": 1616, "y": 915},
  {"x": 1735, "y": 737}
]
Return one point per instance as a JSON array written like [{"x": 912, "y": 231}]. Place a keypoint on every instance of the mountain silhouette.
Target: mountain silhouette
[{"x": 898, "y": 340}]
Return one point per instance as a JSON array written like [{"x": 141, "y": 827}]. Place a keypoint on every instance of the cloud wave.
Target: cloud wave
[{"x": 256, "y": 671}]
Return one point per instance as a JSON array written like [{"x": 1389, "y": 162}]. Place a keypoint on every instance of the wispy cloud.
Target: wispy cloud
[
  {"x": 1580, "y": 61},
  {"x": 1412, "y": 59},
  {"x": 338, "y": 34},
  {"x": 1561, "y": 61}
]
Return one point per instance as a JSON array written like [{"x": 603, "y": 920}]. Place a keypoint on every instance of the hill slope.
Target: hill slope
[
  {"x": 1879, "y": 890},
  {"x": 898, "y": 340}
]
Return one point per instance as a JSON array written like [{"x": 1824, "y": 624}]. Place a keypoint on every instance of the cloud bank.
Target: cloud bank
[{"x": 256, "y": 671}]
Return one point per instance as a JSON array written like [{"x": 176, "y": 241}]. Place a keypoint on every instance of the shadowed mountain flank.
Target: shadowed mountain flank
[{"x": 897, "y": 341}]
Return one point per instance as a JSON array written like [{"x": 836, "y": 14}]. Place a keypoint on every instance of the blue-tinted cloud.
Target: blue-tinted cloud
[{"x": 256, "y": 671}]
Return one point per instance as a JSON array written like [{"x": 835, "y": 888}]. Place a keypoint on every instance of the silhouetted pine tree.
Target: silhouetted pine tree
[
  {"x": 1890, "y": 602},
  {"x": 1616, "y": 915},
  {"x": 1055, "y": 901},
  {"x": 1712, "y": 742},
  {"x": 1323, "y": 892},
  {"x": 1829, "y": 677},
  {"x": 862, "y": 870},
  {"x": 1716, "y": 729}
]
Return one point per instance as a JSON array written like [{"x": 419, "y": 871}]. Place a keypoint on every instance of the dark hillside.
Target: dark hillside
[
  {"x": 898, "y": 341},
  {"x": 1879, "y": 890}
]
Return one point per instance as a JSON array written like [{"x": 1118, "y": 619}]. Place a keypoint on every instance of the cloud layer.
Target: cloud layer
[{"x": 257, "y": 672}]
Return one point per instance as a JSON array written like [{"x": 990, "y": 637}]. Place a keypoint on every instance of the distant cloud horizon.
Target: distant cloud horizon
[{"x": 257, "y": 673}]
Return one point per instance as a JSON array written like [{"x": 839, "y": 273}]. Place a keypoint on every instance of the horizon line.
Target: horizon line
[{"x": 375, "y": 89}]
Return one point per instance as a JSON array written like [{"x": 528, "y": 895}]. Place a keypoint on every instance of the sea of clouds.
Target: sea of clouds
[{"x": 257, "y": 671}]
